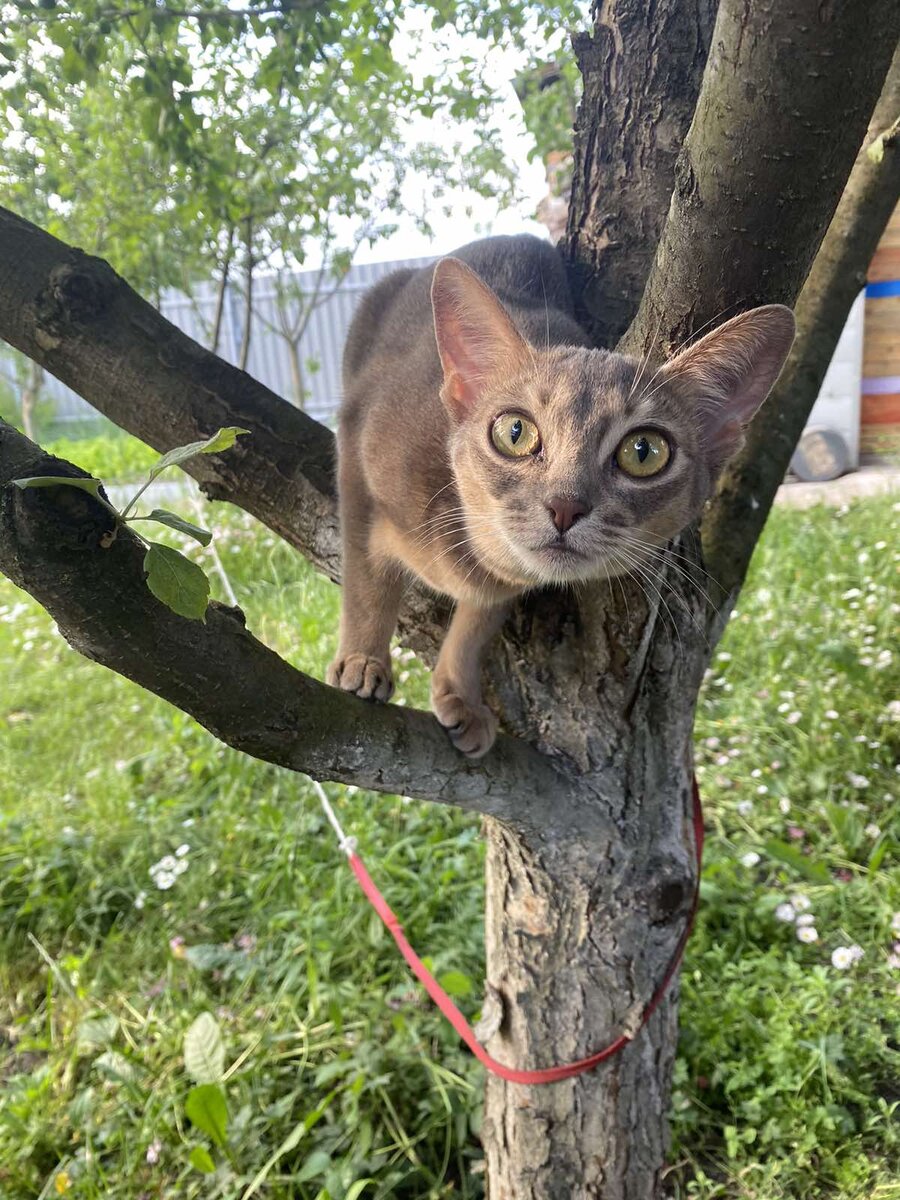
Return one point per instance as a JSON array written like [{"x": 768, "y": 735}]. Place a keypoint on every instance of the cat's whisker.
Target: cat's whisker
[
  {"x": 669, "y": 556},
  {"x": 661, "y": 581},
  {"x": 644, "y": 361},
  {"x": 657, "y": 583}
]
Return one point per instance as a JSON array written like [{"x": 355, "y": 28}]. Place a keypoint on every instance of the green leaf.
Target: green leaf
[
  {"x": 814, "y": 871},
  {"x": 176, "y": 581},
  {"x": 223, "y": 439},
  {"x": 317, "y": 1164},
  {"x": 455, "y": 983},
  {"x": 878, "y": 852},
  {"x": 356, "y": 1189},
  {"x": 201, "y": 1158},
  {"x": 96, "y": 1031},
  {"x": 203, "y": 536},
  {"x": 40, "y": 481},
  {"x": 204, "y": 1050},
  {"x": 205, "y": 1107}
]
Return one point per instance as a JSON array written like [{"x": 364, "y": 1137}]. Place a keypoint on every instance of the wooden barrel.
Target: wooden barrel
[{"x": 880, "y": 418}]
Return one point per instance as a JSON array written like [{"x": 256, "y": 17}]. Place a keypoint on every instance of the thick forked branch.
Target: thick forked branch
[
  {"x": 748, "y": 486},
  {"x": 642, "y": 66},
  {"x": 765, "y": 160},
  {"x": 50, "y": 545}
]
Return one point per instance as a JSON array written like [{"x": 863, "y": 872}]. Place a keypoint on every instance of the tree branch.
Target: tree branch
[
  {"x": 748, "y": 486},
  {"x": 642, "y": 68},
  {"x": 765, "y": 161},
  {"x": 75, "y": 316},
  {"x": 242, "y": 692}
]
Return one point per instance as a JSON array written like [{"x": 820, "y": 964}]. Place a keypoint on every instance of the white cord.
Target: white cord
[{"x": 347, "y": 844}]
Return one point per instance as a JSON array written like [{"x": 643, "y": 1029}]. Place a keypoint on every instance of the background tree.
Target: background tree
[{"x": 590, "y": 861}]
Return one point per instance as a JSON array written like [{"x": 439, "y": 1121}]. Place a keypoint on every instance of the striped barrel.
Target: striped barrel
[{"x": 880, "y": 433}]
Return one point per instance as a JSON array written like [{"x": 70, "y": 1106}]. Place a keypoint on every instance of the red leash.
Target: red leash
[{"x": 456, "y": 1018}]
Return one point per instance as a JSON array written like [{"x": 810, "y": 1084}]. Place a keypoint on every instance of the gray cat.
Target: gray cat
[{"x": 487, "y": 449}]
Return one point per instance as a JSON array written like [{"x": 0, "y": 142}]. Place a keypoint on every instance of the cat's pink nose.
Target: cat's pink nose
[{"x": 566, "y": 510}]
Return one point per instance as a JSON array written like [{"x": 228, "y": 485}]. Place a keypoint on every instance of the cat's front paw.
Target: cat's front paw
[
  {"x": 369, "y": 678},
  {"x": 472, "y": 727}
]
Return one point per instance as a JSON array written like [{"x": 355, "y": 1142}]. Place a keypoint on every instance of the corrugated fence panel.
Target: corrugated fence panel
[{"x": 269, "y": 360}]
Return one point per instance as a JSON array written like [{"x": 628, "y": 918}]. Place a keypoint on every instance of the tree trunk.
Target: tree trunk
[
  {"x": 30, "y": 395},
  {"x": 642, "y": 67},
  {"x": 582, "y": 921}
]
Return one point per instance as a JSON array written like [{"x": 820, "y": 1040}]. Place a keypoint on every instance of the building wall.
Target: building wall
[{"x": 881, "y": 347}]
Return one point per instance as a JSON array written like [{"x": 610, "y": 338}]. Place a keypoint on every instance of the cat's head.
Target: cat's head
[{"x": 574, "y": 463}]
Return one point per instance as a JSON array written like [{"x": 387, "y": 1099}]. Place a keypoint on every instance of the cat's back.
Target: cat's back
[{"x": 391, "y": 342}]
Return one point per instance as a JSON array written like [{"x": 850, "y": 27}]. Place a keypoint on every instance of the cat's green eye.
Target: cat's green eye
[
  {"x": 515, "y": 436},
  {"x": 644, "y": 452}
]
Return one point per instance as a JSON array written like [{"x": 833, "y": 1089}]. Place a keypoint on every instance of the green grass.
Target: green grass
[{"x": 338, "y": 1071}]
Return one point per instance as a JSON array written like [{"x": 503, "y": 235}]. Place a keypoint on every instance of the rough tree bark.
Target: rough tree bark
[
  {"x": 583, "y": 910},
  {"x": 642, "y": 65}
]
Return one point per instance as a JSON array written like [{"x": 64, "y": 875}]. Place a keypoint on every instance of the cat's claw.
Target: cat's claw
[
  {"x": 368, "y": 678},
  {"x": 472, "y": 727}
]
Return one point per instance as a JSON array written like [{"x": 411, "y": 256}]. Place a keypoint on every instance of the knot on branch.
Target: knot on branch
[
  {"x": 670, "y": 895},
  {"x": 77, "y": 293},
  {"x": 65, "y": 517}
]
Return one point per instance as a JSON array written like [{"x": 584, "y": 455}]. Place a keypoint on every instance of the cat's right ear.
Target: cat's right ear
[{"x": 476, "y": 339}]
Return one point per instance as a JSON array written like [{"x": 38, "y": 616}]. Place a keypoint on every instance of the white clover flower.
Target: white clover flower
[
  {"x": 187, "y": 823},
  {"x": 153, "y": 1152},
  {"x": 895, "y": 923},
  {"x": 785, "y": 912},
  {"x": 166, "y": 863},
  {"x": 713, "y": 743},
  {"x": 806, "y": 933},
  {"x": 857, "y": 952},
  {"x": 164, "y": 880},
  {"x": 806, "y": 919},
  {"x": 784, "y": 805},
  {"x": 893, "y": 961},
  {"x": 750, "y": 859},
  {"x": 873, "y": 830},
  {"x": 745, "y": 807},
  {"x": 140, "y": 899},
  {"x": 181, "y": 865},
  {"x": 830, "y": 714},
  {"x": 793, "y": 718},
  {"x": 842, "y": 958},
  {"x": 761, "y": 790},
  {"x": 182, "y": 850},
  {"x": 893, "y": 710},
  {"x": 852, "y": 594},
  {"x": 857, "y": 781},
  {"x": 755, "y": 773},
  {"x": 801, "y": 902}
]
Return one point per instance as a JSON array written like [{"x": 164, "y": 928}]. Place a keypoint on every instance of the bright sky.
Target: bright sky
[{"x": 459, "y": 225}]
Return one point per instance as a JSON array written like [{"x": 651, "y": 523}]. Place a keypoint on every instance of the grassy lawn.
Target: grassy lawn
[{"x": 341, "y": 1080}]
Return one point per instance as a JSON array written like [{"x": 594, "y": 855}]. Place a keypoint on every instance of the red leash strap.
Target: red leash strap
[{"x": 462, "y": 1026}]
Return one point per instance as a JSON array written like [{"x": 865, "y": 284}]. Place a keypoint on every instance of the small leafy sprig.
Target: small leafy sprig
[{"x": 173, "y": 579}]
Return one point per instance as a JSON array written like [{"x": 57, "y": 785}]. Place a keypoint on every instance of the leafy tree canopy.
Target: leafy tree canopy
[{"x": 160, "y": 135}]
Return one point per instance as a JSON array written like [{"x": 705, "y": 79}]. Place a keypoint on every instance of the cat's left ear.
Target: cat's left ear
[
  {"x": 729, "y": 373},
  {"x": 476, "y": 339}
]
